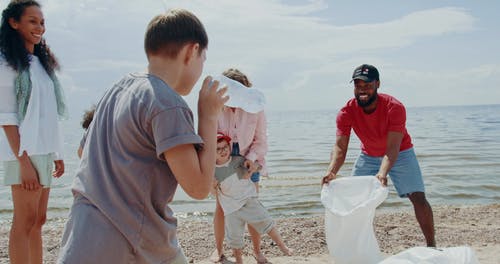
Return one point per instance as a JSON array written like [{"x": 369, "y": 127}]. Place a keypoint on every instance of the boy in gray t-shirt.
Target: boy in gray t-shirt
[
  {"x": 141, "y": 144},
  {"x": 237, "y": 196}
]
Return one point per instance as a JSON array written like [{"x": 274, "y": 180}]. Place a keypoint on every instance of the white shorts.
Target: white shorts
[{"x": 44, "y": 165}]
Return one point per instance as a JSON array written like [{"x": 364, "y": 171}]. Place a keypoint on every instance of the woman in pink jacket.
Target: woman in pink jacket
[{"x": 248, "y": 132}]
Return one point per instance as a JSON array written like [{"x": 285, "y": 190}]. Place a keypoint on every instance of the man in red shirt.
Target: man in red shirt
[{"x": 379, "y": 121}]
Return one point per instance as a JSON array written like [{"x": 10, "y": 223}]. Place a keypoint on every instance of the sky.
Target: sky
[{"x": 300, "y": 54}]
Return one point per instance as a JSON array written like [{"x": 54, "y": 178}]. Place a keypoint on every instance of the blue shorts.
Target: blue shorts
[
  {"x": 405, "y": 174},
  {"x": 235, "y": 151}
]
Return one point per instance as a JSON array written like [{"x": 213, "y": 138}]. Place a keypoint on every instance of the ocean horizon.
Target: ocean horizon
[{"x": 458, "y": 148}]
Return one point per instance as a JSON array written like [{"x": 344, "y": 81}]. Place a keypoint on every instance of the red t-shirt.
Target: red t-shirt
[{"x": 372, "y": 129}]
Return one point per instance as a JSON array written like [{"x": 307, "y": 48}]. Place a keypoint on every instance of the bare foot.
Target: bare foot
[
  {"x": 261, "y": 259},
  {"x": 216, "y": 256},
  {"x": 286, "y": 251}
]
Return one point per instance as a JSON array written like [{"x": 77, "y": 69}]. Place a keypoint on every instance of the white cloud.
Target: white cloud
[{"x": 294, "y": 53}]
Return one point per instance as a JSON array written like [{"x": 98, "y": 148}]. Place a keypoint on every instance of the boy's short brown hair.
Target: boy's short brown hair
[
  {"x": 238, "y": 76},
  {"x": 167, "y": 33}
]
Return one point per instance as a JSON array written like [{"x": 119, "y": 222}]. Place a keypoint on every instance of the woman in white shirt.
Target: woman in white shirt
[{"x": 31, "y": 101}]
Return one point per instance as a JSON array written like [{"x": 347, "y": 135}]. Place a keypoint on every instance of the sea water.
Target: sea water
[{"x": 458, "y": 148}]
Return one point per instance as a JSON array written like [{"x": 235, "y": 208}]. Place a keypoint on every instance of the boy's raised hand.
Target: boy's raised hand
[{"x": 211, "y": 99}]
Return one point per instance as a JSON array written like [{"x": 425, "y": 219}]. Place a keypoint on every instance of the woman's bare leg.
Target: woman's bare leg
[
  {"x": 36, "y": 243},
  {"x": 218, "y": 233},
  {"x": 26, "y": 204}
]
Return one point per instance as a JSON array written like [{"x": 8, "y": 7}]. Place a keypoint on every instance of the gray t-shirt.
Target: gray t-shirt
[
  {"x": 235, "y": 165},
  {"x": 123, "y": 171}
]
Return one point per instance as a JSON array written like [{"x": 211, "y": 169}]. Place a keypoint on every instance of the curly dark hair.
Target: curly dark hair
[{"x": 12, "y": 45}]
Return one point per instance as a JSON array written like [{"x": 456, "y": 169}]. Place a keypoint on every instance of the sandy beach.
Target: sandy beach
[{"x": 474, "y": 226}]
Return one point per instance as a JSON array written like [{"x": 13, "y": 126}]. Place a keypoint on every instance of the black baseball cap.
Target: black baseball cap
[{"x": 365, "y": 72}]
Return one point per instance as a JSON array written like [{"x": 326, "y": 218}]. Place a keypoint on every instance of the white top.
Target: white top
[
  {"x": 233, "y": 192},
  {"x": 40, "y": 132}
]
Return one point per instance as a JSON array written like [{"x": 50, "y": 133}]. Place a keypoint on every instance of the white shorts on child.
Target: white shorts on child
[{"x": 252, "y": 213}]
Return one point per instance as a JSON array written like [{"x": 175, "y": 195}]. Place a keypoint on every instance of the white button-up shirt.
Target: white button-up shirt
[{"x": 39, "y": 132}]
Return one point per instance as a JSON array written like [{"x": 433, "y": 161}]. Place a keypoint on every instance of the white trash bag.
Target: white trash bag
[
  {"x": 425, "y": 255},
  {"x": 350, "y": 208},
  {"x": 251, "y": 100}
]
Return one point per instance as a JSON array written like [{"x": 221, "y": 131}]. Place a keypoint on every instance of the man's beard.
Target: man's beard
[{"x": 368, "y": 102}]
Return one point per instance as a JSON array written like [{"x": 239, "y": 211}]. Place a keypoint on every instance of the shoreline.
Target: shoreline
[{"x": 477, "y": 226}]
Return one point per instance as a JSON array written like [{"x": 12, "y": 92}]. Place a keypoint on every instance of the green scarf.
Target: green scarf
[{"x": 23, "y": 85}]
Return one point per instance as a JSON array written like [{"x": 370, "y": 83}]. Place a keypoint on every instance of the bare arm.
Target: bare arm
[
  {"x": 337, "y": 158},
  {"x": 391, "y": 155},
  {"x": 192, "y": 173},
  {"x": 29, "y": 176},
  {"x": 79, "y": 152},
  {"x": 194, "y": 170},
  {"x": 59, "y": 168}
]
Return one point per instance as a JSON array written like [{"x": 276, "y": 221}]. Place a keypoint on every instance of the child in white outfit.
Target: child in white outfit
[{"x": 238, "y": 198}]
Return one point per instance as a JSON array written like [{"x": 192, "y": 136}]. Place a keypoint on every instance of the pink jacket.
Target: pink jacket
[{"x": 249, "y": 130}]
